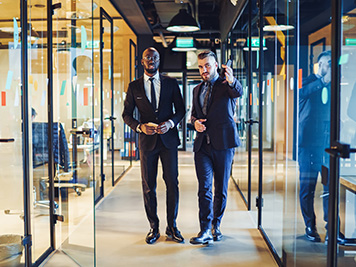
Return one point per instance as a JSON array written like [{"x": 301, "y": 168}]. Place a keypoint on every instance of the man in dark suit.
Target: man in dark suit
[
  {"x": 214, "y": 102},
  {"x": 314, "y": 135},
  {"x": 155, "y": 95}
]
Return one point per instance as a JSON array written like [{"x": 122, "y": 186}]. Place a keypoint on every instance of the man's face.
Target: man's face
[
  {"x": 150, "y": 61},
  {"x": 324, "y": 65},
  {"x": 207, "y": 68}
]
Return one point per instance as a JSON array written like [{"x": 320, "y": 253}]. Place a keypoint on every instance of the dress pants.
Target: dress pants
[
  {"x": 310, "y": 162},
  {"x": 212, "y": 164},
  {"x": 149, "y": 164}
]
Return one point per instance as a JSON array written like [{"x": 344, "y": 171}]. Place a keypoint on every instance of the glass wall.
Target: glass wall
[
  {"x": 111, "y": 79},
  {"x": 38, "y": 96},
  {"x": 11, "y": 141},
  {"x": 82, "y": 99},
  {"x": 296, "y": 108},
  {"x": 245, "y": 167},
  {"x": 347, "y": 135}
]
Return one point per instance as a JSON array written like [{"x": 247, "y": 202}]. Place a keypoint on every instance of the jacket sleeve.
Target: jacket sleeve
[
  {"x": 235, "y": 90},
  {"x": 178, "y": 104},
  {"x": 129, "y": 107},
  {"x": 309, "y": 87}
]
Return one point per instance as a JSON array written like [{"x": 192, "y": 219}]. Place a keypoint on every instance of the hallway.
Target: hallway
[{"x": 121, "y": 227}]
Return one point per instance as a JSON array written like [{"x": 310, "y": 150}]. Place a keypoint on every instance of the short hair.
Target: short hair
[
  {"x": 207, "y": 53},
  {"x": 326, "y": 53}
]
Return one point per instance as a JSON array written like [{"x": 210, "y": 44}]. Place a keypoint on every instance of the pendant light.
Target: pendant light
[{"x": 183, "y": 22}]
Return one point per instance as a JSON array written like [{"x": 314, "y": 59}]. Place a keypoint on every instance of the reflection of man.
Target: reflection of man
[
  {"x": 159, "y": 101},
  {"x": 214, "y": 102},
  {"x": 314, "y": 134}
]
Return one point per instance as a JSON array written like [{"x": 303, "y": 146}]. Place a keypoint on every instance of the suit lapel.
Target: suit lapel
[
  {"x": 163, "y": 92},
  {"x": 197, "y": 98},
  {"x": 141, "y": 88}
]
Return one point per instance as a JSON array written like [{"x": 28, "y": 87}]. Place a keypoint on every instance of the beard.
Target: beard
[{"x": 152, "y": 71}]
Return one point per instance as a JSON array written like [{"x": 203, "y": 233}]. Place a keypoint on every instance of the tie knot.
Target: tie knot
[{"x": 151, "y": 79}]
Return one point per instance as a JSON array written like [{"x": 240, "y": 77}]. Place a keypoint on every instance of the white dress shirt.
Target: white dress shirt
[{"x": 156, "y": 84}]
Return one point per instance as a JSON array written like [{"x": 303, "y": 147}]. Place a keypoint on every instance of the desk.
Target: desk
[
  {"x": 347, "y": 217},
  {"x": 85, "y": 149}
]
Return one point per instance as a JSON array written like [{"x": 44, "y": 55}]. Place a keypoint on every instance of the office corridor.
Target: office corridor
[{"x": 121, "y": 227}]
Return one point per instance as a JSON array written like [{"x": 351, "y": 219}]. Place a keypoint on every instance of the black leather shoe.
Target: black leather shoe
[
  {"x": 217, "y": 235},
  {"x": 312, "y": 234},
  {"x": 152, "y": 236},
  {"x": 203, "y": 238},
  {"x": 340, "y": 239},
  {"x": 174, "y": 234}
]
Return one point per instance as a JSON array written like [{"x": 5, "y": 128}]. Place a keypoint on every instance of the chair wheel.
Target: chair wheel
[{"x": 78, "y": 191}]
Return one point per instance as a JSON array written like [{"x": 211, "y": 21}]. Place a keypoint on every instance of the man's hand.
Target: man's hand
[
  {"x": 163, "y": 127},
  {"x": 199, "y": 126},
  {"x": 228, "y": 74},
  {"x": 148, "y": 130}
]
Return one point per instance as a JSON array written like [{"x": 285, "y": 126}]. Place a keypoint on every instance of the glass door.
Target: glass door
[
  {"x": 342, "y": 206},
  {"x": 107, "y": 100},
  {"x": 246, "y": 121},
  {"x": 74, "y": 128},
  {"x": 254, "y": 115},
  {"x": 42, "y": 223}
]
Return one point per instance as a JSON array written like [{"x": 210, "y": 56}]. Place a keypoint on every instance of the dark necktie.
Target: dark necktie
[
  {"x": 206, "y": 99},
  {"x": 153, "y": 95}
]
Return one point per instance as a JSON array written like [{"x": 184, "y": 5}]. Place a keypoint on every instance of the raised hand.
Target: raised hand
[{"x": 229, "y": 74}]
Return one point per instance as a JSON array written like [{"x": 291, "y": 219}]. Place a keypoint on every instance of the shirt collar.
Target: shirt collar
[
  {"x": 213, "y": 80},
  {"x": 146, "y": 77}
]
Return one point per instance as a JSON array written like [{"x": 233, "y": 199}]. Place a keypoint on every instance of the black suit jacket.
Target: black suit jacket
[
  {"x": 220, "y": 124},
  {"x": 171, "y": 107}
]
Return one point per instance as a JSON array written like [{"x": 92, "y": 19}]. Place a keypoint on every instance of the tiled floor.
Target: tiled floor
[{"x": 121, "y": 227}]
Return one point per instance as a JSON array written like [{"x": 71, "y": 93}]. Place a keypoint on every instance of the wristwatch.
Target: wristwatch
[{"x": 138, "y": 128}]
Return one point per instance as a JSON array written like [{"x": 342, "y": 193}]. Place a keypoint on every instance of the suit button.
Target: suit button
[{"x": 156, "y": 118}]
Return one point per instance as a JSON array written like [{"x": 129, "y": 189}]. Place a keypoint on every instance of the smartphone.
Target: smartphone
[{"x": 222, "y": 72}]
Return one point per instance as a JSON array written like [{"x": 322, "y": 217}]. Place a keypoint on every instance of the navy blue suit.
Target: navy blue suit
[
  {"x": 152, "y": 147},
  {"x": 214, "y": 160},
  {"x": 314, "y": 135}
]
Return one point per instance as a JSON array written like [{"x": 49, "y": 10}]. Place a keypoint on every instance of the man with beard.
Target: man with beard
[
  {"x": 214, "y": 102},
  {"x": 161, "y": 108}
]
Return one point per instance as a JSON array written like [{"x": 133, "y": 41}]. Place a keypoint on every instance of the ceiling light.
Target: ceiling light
[
  {"x": 183, "y": 22},
  {"x": 254, "y": 48},
  {"x": 277, "y": 28},
  {"x": 184, "y": 44}
]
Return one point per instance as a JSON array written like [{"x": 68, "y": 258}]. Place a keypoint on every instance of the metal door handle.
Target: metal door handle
[
  {"x": 340, "y": 150},
  {"x": 7, "y": 140},
  {"x": 251, "y": 121}
]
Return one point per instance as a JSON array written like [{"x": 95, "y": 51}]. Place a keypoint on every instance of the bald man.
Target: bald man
[{"x": 161, "y": 107}]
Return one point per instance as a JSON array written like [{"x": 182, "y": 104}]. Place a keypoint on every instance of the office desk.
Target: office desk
[
  {"x": 347, "y": 217},
  {"x": 84, "y": 150}
]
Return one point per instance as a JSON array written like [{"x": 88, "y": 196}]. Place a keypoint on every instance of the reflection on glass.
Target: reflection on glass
[{"x": 348, "y": 132}]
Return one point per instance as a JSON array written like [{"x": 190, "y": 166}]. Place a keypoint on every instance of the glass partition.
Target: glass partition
[
  {"x": 75, "y": 126},
  {"x": 38, "y": 101},
  {"x": 240, "y": 66},
  {"x": 348, "y": 136},
  {"x": 277, "y": 105},
  {"x": 11, "y": 141}
]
